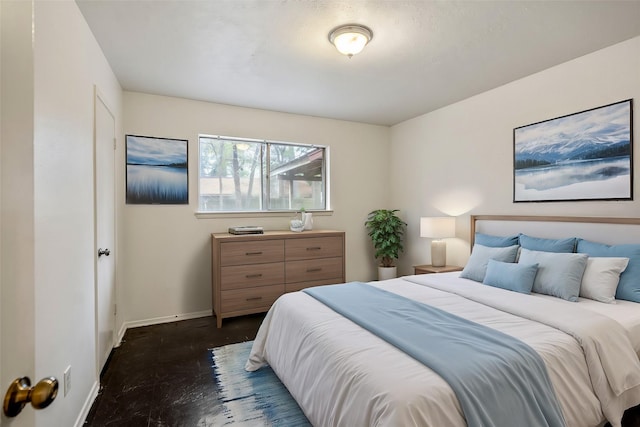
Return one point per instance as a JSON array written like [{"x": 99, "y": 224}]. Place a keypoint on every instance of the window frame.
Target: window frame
[{"x": 266, "y": 180}]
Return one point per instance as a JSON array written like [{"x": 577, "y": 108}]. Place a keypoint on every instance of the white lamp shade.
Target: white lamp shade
[
  {"x": 438, "y": 227},
  {"x": 350, "y": 43}
]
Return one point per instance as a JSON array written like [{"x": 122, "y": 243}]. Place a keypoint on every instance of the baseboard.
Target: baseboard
[
  {"x": 87, "y": 404},
  {"x": 123, "y": 329},
  {"x": 159, "y": 320}
]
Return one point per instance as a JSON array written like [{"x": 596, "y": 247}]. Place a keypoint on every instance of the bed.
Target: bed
[{"x": 343, "y": 375}]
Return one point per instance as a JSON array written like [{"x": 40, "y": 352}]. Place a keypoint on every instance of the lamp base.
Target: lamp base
[{"x": 438, "y": 253}]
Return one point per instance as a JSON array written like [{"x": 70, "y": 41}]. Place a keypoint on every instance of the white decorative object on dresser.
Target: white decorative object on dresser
[{"x": 249, "y": 272}]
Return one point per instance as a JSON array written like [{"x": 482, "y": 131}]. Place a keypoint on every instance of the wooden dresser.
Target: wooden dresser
[{"x": 249, "y": 272}]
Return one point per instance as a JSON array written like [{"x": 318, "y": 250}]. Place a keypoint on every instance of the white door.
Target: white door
[
  {"x": 17, "y": 280},
  {"x": 105, "y": 230}
]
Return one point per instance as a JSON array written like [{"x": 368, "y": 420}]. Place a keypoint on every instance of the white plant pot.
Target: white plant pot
[{"x": 385, "y": 273}]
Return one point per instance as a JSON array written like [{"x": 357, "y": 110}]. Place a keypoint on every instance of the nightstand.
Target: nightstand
[{"x": 429, "y": 269}]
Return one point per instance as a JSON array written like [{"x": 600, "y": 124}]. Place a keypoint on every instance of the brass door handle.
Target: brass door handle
[{"x": 20, "y": 393}]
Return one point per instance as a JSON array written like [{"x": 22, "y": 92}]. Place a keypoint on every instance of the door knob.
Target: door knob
[
  {"x": 101, "y": 252},
  {"x": 20, "y": 393}
]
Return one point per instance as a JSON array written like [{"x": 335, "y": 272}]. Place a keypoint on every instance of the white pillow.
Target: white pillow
[
  {"x": 559, "y": 274},
  {"x": 601, "y": 277}
]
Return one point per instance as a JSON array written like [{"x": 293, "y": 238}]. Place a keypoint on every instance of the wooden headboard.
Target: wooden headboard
[{"x": 598, "y": 229}]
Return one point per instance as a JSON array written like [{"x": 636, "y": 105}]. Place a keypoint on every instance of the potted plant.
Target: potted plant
[{"x": 386, "y": 230}]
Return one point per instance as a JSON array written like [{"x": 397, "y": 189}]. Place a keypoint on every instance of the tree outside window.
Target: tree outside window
[{"x": 246, "y": 175}]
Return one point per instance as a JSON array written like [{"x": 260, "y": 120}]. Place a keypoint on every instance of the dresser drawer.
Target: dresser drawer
[
  {"x": 313, "y": 247},
  {"x": 250, "y": 298},
  {"x": 252, "y": 252},
  {"x": 314, "y": 269},
  {"x": 250, "y": 276},
  {"x": 298, "y": 286}
]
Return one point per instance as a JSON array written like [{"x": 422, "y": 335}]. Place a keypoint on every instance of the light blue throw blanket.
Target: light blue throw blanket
[{"x": 499, "y": 380}]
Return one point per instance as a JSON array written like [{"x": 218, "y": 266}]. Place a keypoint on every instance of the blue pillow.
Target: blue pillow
[
  {"x": 495, "y": 241},
  {"x": 559, "y": 274},
  {"x": 629, "y": 284},
  {"x": 548, "y": 245},
  {"x": 513, "y": 277},
  {"x": 476, "y": 267}
]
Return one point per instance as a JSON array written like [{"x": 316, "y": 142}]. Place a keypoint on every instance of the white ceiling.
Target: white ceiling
[{"x": 275, "y": 54}]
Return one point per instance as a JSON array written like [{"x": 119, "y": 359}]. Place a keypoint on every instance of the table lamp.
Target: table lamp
[{"x": 438, "y": 228}]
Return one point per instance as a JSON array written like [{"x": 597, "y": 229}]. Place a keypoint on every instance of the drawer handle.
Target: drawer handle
[
  {"x": 251, "y": 276},
  {"x": 313, "y": 270},
  {"x": 314, "y": 248},
  {"x": 254, "y": 299},
  {"x": 253, "y": 253}
]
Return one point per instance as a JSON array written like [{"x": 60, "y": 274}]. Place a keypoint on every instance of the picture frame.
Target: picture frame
[
  {"x": 582, "y": 156},
  {"x": 157, "y": 170}
]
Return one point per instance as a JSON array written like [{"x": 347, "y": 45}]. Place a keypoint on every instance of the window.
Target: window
[{"x": 245, "y": 175}]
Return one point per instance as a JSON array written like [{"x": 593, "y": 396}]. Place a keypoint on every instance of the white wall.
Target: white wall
[
  {"x": 68, "y": 63},
  {"x": 459, "y": 159},
  {"x": 167, "y": 249}
]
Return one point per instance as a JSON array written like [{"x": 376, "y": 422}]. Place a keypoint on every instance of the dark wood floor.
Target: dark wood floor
[{"x": 161, "y": 375}]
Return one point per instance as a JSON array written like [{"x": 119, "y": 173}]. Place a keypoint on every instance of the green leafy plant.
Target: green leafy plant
[{"x": 386, "y": 230}]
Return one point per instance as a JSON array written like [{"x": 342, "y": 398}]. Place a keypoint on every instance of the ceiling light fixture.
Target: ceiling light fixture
[{"x": 350, "y": 39}]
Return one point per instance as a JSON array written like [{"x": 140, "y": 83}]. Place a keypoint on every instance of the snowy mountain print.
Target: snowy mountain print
[{"x": 556, "y": 159}]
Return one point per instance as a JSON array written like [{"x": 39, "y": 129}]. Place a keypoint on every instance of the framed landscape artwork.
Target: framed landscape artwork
[
  {"x": 582, "y": 156},
  {"x": 157, "y": 170}
]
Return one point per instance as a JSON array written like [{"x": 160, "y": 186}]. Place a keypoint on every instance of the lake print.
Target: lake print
[
  {"x": 583, "y": 156},
  {"x": 565, "y": 181},
  {"x": 157, "y": 171}
]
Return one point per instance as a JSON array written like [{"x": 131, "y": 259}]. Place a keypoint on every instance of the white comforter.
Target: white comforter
[{"x": 342, "y": 375}]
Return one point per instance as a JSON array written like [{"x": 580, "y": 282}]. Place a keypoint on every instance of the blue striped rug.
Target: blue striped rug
[{"x": 251, "y": 398}]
